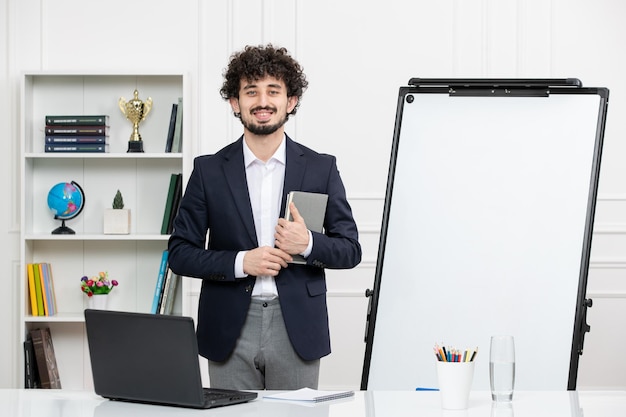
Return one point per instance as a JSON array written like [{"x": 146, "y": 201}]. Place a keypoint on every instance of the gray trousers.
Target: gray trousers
[{"x": 263, "y": 357}]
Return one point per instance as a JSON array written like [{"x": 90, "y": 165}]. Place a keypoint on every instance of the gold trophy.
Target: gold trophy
[{"x": 136, "y": 111}]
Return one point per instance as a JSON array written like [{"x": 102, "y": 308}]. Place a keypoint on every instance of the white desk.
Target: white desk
[{"x": 62, "y": 403}]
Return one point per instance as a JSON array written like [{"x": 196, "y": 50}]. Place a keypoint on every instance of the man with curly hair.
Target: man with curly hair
[{"x": 262, "y": 320}]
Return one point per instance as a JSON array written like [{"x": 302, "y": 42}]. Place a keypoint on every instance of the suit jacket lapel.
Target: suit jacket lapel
[
  {"x": 294, "y": 169},
  {"x": 235, "y": 173}
]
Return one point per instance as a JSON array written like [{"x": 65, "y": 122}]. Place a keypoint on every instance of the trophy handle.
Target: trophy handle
[
  {"x": 122, "y": 104},
  {"x": 147, "y": 107}
]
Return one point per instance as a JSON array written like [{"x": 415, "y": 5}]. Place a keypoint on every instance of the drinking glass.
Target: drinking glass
[{"x": 502, "y": 367}]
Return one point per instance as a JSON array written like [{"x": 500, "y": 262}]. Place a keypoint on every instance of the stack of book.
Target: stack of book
[
  {"x": 41, "y": 369},
  {"x": 83, "y": 133},
  {"x": 165, "y": 289},
  {"x": 41, "y": 289}
]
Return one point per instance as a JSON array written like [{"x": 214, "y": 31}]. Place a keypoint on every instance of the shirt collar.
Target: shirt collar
[{"x": 279, "y": 155}]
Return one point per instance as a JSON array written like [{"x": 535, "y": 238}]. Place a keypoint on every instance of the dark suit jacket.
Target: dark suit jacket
[{"x": 216, "y": 199}]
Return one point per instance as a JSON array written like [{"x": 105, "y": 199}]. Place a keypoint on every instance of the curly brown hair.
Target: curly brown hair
[{"x": 256, "y": 62}]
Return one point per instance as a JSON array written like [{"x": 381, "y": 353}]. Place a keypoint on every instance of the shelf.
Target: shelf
[
  {"x": 57, "y": 318},
  {"x": 143, "y": 178},
  {"x": 109, "y": 155},
  {"x": 95, "y": 237}
]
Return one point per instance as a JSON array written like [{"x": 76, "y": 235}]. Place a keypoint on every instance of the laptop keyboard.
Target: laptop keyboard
[{"x": 213, "y": 395}]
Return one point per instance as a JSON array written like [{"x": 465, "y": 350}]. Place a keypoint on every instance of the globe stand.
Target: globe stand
[{"x": 63, "y": 230}]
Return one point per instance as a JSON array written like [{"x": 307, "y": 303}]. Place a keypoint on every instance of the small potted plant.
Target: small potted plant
[
  {"x": 117, "y": 218},
  {"x": 97, "y": 289}
]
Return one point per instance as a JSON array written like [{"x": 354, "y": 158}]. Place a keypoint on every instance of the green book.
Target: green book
[
  {"x": 178, "y": 195},
  {"x": 39, "y": 291},
  {"x": 169, "y": 202}
]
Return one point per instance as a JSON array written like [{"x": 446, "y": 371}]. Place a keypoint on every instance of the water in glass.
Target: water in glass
[{"x": 502, "y": 377}]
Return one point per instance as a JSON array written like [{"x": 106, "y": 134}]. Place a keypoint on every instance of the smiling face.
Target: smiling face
[{"x": 263, "y": 105}]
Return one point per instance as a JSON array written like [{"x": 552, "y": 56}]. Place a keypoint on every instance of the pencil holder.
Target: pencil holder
[{"x": 455, "y": 382}]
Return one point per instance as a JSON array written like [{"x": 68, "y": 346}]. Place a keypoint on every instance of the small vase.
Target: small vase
[
  {"x": 98, "y": 301},
  {"x": 116, "y": 221}
]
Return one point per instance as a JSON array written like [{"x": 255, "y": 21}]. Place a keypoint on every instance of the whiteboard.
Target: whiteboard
[{"x": 486, "y": 230}]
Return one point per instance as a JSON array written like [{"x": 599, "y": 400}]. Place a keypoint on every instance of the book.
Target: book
[
  {"x": 156, "y": 299},
  {"x": 170, "y": 130},
  {"x": 54, "y": 297},
  {"x": 44, "y": 291},
  {"x": 164, "y": 291},
  {"x": 38, "y": 291},
  {"x": 99, "y": 139},
  {"x": 77, "y": 130},
  {"x": 312, "y": 207},
  {"x": 310, "y": 395},
  {"x": 169, "y": 295},
  {"x": 81, "y": 120},
  {"x": 47, "y": 290},
  {"x": 46, "y": 272},
  {"x": 31, "y": 374},
  {"x": 78, "y": 147},
  {"x": 32, "y": 292},
  {"x": 178, "y": 128},
  {"x": 178, "y": 195},
  {"x": 168, "y": 292},
  {"x": 45, "y": 358},
  {"x": 169, "y": 201}
]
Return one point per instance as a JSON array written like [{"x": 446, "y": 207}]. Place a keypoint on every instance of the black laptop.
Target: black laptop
[{"x": 150, "y": 358}]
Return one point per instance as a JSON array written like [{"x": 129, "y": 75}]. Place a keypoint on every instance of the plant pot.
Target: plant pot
[
  {"x": 116, "y": 221},
  {"x": 98, "y": 301}
]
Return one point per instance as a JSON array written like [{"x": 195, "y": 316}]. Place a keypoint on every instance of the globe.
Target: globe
[{"x": 66, "y": 200}]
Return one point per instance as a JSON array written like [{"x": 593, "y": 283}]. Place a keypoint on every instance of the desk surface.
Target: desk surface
[{"x": 62, "y": 403}]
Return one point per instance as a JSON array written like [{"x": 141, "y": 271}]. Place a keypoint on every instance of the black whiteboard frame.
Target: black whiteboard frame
[{"x": 496, "y": 88}]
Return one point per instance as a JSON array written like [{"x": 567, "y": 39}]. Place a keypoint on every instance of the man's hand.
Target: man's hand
[
  {"x": 292, "y": 237},
  {"x": 265, "y": 261}
]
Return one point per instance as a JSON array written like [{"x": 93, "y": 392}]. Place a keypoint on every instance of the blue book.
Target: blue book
[{"x": 158, "y": 290}]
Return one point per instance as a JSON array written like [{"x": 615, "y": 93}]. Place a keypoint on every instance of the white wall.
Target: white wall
[{"x": 356, "y": 53}]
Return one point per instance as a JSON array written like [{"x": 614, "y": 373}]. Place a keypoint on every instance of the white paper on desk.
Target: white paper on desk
[{"x": 310, "y": 395}]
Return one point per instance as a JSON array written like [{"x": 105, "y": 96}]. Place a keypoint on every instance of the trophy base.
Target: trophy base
[{"x": 135, "y": 146}]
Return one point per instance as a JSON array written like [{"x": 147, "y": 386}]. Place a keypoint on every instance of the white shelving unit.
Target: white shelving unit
[{"x": 143, "y": 179}]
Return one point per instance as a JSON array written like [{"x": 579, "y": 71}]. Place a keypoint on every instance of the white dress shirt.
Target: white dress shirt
[{"x": 265, "y": 187}]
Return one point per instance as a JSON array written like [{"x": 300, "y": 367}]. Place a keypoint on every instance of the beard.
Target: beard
[{"x": 262, "y": 129}]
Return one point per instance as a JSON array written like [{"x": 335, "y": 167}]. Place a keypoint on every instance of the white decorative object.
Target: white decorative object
[
  {"x": 116, "y": 221},
  {"x": 98, "y": 301}
]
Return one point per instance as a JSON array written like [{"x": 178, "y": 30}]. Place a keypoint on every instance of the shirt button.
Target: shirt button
[{"x": 264, "y": 304}]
